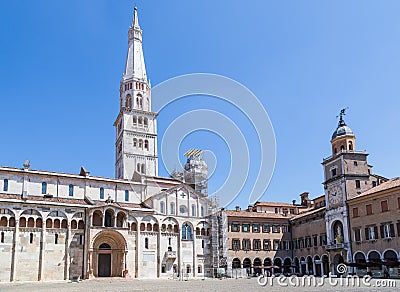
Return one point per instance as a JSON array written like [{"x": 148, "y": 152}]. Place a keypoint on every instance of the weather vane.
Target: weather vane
[{"x": 342, "y": 113}]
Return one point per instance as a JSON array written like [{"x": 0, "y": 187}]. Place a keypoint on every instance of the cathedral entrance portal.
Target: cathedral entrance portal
[
  {"x": 108, "y": 255},
  {"x": 104, "y": 267}
]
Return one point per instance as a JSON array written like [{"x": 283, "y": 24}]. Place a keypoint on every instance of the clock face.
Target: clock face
[{"x": 335, "y": 196}]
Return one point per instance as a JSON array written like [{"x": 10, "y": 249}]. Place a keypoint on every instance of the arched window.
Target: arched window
[
  {"x": 101, "y": 193},
  {"x": 44, "y": 188},
  {"x": 202, "y": 211},
  {"x": 71, "y": 190},
  {"x": 134, "y": 120},
  {"x": 146, "y": 121},
  {"x": 199, "y": 269},
  {"x": 172, "y": 208},
  {"x": 351, "y": 146},
  {"x": 126, "y": 196},
  {"x": 188, "y": 269},
  {"x": 146, "y": 144},
  {"x": 146, "y": 243},
  {"x": 2, "y": 237},
  {"x": 104, "y": 246},
  {"x": 30, "y": 238},
  {"x": 139, "y": 101},
  {"x": 187, "y": 232},
  {"x": 5, "y": 185},
  {"x": 138, "y": 167},
  {"x": 142, "y": 168},
  {"x": 342, "y": 148},
  {"x": 109, "y": 219},
  {"x": 140, "y": 121},
  {"x": 128, "y": 102},
  {"x": 193, "y": 210},
  {"x": 162, "y": 207},
  {"x": 134, "y": 142},
  {"x": 140, "y": 143},
  {"x": 56, "y": 238}
]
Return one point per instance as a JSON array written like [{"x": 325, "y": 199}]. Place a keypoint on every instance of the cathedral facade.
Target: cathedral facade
[{"x": 60, "y": 226}]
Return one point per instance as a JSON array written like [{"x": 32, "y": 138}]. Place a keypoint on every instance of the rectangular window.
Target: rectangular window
[
  {"x": 355, "y": 212},
  {"x": 236, "y": 244},
  {"x": 276, "y": 245},
  {"x": 387, "y": 230},
  {"x": 301, "y": 243},
  {"x": 101, "y": 193},
  {"x": 266, "y": 228},
  {"x": 334, "y": 172},
  {"x": 71, "y": 190},
  {"x": 371, "y": 233},
  {"x": 322, "y": 239},
  {"x": 295, "y": 244},
  {"x": 276, "y": 211},
  {"x": 358, "y": 184},
  {"x": 384, "y": 206},
  {"x": 235, "y": 227},
  {"x": 246, "y": 227},
  {"x": 126, "y": 196},
  {"x": 374, "y": 184},
  {"x": 308, "y": 242},
  {"x": 275, "y": 229},
  {"x": 357, "y": 234},
  {"x": 267, "y": 244},
  {"x": 398, "y": 203},
  {"x": 285, "y": 228},
  {"x": 44, "y": 188},
  {"x": 286, "y": 245},
  {"x": 257, "y": 244},
  {"x": 81, "y": 239},
  {"x": 292, "y": 211},
  {"x": 5, "y": 185},
  {"x": 368, "y": 209},
  {"x": 246, "y": 244},
  {"x": 315, "y": 238},
  {"x": 256, "y": 228}
]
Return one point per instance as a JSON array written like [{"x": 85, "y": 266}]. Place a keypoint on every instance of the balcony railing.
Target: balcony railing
[
  {"x": 336, "y": 246},
  {"x": 170, "y": 254}
]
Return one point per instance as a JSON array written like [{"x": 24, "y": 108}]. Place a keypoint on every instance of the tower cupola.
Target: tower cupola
[{"x": 343, "y": 138}]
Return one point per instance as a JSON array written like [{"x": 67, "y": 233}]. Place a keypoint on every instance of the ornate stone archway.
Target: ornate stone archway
[{"x": 107, "y": 255}]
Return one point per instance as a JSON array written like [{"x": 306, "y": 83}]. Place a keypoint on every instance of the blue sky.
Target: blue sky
[{"x": 61, "y": 63}]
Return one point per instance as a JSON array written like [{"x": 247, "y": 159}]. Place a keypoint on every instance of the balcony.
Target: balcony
[
  {"x": 170, "y": 254},
  {"x": 336, "y": 246}
]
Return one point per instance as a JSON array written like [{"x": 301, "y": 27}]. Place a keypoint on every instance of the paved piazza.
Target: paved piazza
[{"x": 174, "y": 285}]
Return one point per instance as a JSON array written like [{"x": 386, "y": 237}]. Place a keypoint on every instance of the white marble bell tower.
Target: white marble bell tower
[{"x": 136, "y": 127}]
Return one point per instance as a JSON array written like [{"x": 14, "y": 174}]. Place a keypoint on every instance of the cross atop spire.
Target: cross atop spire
[{"x": 135, "y": 20}]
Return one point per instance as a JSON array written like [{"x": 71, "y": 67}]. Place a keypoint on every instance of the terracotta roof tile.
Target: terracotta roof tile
[
  {"x": 275, "y": 204},
  {"x": 308, "y": 212},
  {"x": 390, "y": 184},
  {"x": 233, "y": 213}
]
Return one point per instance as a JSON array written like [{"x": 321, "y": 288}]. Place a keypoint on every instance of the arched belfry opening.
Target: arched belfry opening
[{"x": 107, "y": 256}]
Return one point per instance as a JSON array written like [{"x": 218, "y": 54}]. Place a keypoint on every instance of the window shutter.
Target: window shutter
[
  {"x": 382, "y": 231},
  {"x": 391, "y": 230},
  {"x": 367, "y": 234}
]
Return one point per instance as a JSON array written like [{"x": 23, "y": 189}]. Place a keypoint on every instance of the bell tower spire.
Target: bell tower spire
[{"x": 136, "y": 128}]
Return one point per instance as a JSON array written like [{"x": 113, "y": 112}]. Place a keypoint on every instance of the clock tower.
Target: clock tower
[{"x": 347, "y": 174}]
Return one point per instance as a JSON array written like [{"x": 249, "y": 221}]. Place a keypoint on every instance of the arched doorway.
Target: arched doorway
[
  {"x": 257, "y": 266},
  {"x": 287, "y": 266},
  {"x": 360, "y": 260},
  {"x": 325, "y": 264},
  {"x": 278, "y": 264},
  {"x": 338, "y": 259},
  {"x": 108, "y": 255},
  {"x": 247, "y": 265},
  {"x": 236, "y": 264},
  {"x": 318, "y": 264}
]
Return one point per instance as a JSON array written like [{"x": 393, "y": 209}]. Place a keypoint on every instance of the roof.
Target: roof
[
  {"x": 249, "y": 214},
  {"x": 274, "y": 204},
  {"x": 390, "y": 184},
  {"x": 308, "y": 212}
]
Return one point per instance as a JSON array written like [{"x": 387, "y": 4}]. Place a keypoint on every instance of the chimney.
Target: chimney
[
  {"x": 237, "y": 208},
  {"x": 294, "y": 202}
]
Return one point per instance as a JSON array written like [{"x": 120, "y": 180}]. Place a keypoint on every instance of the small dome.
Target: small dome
[{"x": 342, "y": 130}]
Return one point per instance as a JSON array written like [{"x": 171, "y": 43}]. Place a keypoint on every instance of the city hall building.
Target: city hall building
[
  {"x": 356, "y": 222},
  {"x": 61, "y": 226}
]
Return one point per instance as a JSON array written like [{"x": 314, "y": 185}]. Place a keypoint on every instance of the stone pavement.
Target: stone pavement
[{"x": 117, "y": 284}]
